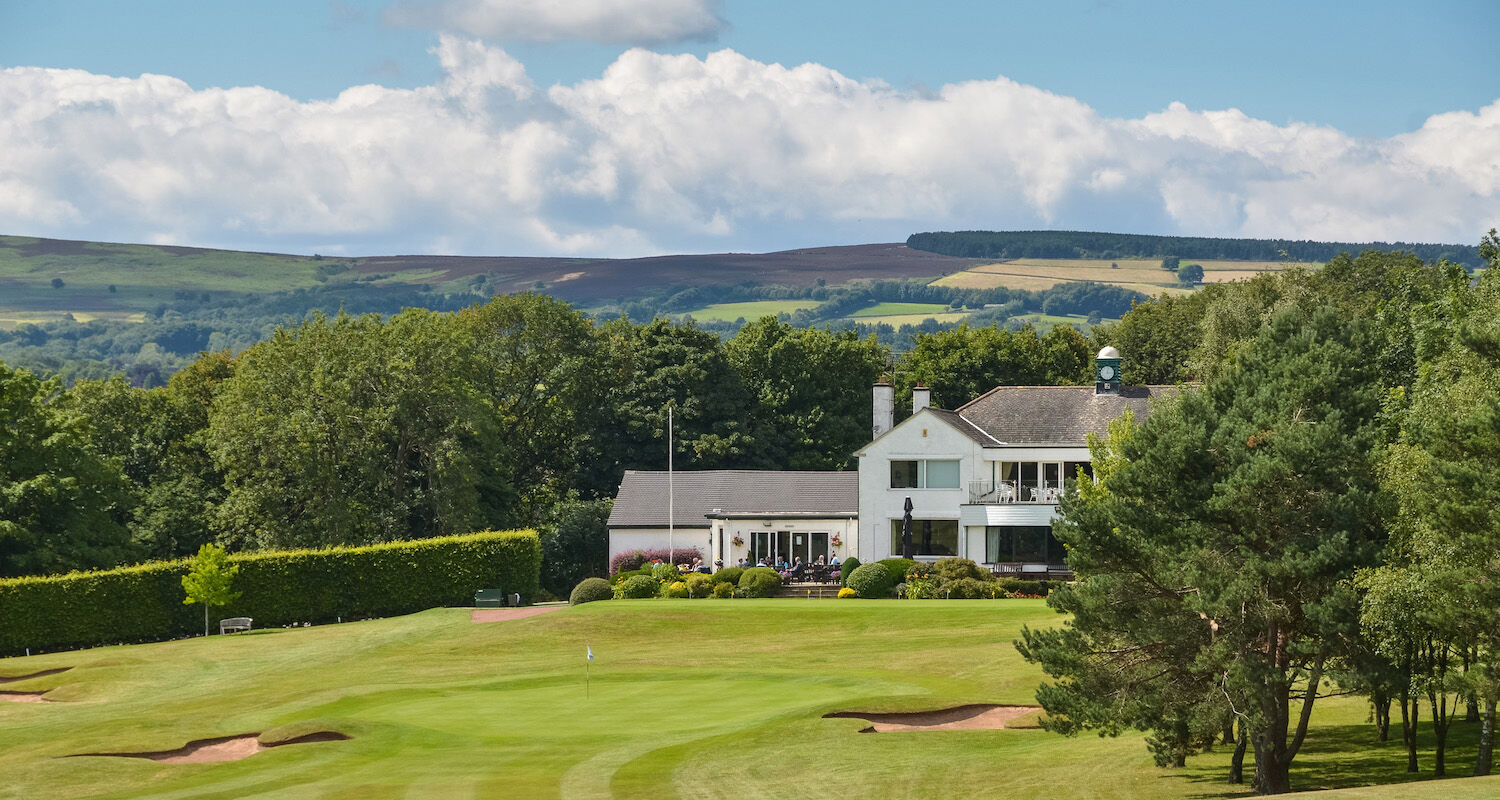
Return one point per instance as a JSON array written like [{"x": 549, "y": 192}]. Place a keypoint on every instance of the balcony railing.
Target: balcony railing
[{"x": 1005, "y": 492}]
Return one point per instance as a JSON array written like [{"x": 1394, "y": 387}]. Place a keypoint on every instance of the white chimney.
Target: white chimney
[
  {"x": 885, "y": 407},
  {"x": 921, "y": 397}
]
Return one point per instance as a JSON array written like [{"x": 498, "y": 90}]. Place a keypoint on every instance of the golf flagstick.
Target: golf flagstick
[{"x": 590, "y": 652}]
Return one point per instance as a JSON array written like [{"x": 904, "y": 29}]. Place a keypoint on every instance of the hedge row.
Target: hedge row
[{"x": 144, "y": 603}]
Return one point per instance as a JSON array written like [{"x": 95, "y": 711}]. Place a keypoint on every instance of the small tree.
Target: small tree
[
  {"x": 209, "y": 580},
  {"x": 1190, "y": 274}
]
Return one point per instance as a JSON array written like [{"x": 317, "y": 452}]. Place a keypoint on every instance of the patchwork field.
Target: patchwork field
[
  {"x": 1140, "y": 275},
  {"x": 751, "y": 310},
  {"x": 703, "y": 699}
]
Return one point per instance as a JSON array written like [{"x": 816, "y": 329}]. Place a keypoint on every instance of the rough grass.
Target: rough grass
[
  {"x": 1141, "y": 275},
  {"x": 701, "y": 698},
  {"x": 750, "y": 310}
]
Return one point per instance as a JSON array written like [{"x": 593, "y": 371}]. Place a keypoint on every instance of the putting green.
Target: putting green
[{"x": 702, "y": 699}]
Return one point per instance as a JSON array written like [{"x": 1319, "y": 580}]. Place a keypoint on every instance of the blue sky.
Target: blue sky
[{"x": 1336, "y": 102}]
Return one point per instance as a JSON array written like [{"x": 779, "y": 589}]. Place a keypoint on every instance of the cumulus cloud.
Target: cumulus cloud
[
  {"x": 608, "y": 21},
  {"x": 680, "y": 153}
]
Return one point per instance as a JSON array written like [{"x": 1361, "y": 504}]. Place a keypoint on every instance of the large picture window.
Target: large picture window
[
  {"x": 928, "y": 474},
  {"x": 1022, "y": 543},
  {"x": 929, "y": 537}
]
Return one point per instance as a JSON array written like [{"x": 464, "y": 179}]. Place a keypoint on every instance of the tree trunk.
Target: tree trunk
[
  {"x": 1382, "y": 717},
  {"x": 205, "y": 619},
  {"x": 1237, "y": 763},
  {"x": 1409, "y": 711},
  {"x": 1486, "y": 739}
]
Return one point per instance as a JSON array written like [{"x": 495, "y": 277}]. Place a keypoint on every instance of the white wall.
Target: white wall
[
  {"x": 923, "y": 435},
  {"x": 626, "y": 540}
]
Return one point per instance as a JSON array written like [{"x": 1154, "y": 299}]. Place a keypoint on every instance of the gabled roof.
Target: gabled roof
[
  {"x": 642, "y": 499},
  {"x": 1060, "y": 416}
]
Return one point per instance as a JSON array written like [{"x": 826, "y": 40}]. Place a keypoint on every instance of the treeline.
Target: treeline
[
  {"x": 522, "y": 412},
  {"x": 1082, "y": 244},
  {"x": 1317, "y": 516}
]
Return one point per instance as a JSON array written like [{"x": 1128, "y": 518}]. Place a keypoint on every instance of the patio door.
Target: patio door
[{"x": 810, "y": 547}]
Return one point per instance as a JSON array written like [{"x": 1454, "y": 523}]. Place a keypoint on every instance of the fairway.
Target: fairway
[{"x": 701, "y": 699}]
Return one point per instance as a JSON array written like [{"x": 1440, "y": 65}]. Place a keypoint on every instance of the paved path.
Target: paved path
[{"x": 502, "y": 614}]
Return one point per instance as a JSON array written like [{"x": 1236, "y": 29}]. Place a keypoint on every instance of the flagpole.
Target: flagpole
[
  {"x": 586, "y": 661},
  {"x": 671, "y": 494}
]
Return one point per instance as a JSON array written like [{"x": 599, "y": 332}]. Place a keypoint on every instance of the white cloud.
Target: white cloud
[
  {"x": 678, "y": 153},
  {"x": 607, "y": 21}
]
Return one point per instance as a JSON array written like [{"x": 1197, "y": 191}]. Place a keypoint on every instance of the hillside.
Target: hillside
[{"x": 1091, "y": 245}]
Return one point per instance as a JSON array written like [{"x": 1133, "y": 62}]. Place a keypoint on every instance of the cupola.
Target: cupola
[{"x": 1107, "y": 371}]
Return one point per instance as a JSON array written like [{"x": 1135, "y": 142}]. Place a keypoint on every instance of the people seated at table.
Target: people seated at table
[
  {"x": 833, "y": 562},
  {"x": 820, "y": 561}
]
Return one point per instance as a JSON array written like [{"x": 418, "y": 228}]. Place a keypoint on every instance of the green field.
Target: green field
[
  {"x": 1141, "y": 275},
  {"x": 700, "y": 699},
  {"x": 751, "y": 310},
  {"x": 887, "y": 309}
]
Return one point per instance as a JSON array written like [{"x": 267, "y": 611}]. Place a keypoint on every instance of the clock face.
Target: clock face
[{"x": 1107, "y": 373}]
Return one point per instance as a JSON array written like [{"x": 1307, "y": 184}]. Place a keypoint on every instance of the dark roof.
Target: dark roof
[
  {"x": 1053, "y": 415},
  {"x": 642, "y": 499}
]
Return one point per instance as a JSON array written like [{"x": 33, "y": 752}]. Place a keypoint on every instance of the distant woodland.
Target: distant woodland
[{"x": 1081, "y": 244}]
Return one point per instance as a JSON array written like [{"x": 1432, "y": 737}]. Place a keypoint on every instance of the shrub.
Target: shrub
[
  {"x": 1016, "y": 586},
  {"x": 637, "y": 586},
  {"x": 846, "y": 593},
  {"x": 971, "y": 589},
  {"x": 871, "y": 581},
  {"x": 699, "y": 585},
  {"x": 729, "y": 575},
  {"x": 760, "y": 582},
  {"x": 144, "y": 602},
  {"x": 676, "y": 589},
  {"x": 635, "y": 559},
  {"x": 621, "y": 577},
  {"x": 952, "y": 569},
  {"x": 723, "y": 590},
  {"x": 665, "y": 572},
  {"x": 590, "y": 590},
  {"x": 898, "y": 568},
  {"x": 846, "y": 568},
  {"x": 920, "y": 588}
]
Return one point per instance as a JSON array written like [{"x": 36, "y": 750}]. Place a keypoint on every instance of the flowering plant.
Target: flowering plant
[
  {"x": 737, "y": 540},
  {"x": 836, "y": 541}
]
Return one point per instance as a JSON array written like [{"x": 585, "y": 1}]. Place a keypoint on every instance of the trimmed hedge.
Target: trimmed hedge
[
  {"x": 699, "y": 585},
  {"x": 144, "y": 603},
  {"x": 871, "y": 581},
  {"x": 1017, "y": 586},
  {"x": 898, "y": 568},
  {"x": 846, "y": 569},
  {"x": 760, "y": 582},
  {"x": 591, "y": 590},
  {"x": 729, "y": 575}
]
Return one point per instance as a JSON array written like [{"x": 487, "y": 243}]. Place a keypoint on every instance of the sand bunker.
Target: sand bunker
[
  {"x": 23, "y": 697},
  {"x": 41, "y": 674},
  {"x": 976, "y": 717},
  {"x": 223, "y": 748},
  {"x": 502, "y": 614}
]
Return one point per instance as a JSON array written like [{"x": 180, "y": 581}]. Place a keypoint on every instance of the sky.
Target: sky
[{"x": 636, "y": 127}]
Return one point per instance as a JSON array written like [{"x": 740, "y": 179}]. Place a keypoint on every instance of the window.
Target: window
[
  {"x": 1029, "y": 543},
  {"x": 942, "y": 475},
  {"x": 929, "y": 537},
  {"x": 924, "y": 474},
  {"x": 904, "y": 474}
]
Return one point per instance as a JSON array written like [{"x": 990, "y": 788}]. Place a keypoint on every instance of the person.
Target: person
[
  {"x": 821, "y": 561},
  {"x": 743, "y": 563},
  {"x": 834, "y": 562}
]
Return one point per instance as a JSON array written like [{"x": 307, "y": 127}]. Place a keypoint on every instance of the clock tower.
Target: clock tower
[{"x": 1107, "y": 371}]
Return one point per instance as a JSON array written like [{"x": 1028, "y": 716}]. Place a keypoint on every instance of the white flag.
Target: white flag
[{"x": 591, "y": 652}]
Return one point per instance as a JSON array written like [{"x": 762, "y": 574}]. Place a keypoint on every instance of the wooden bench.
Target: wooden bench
[
  {"x": 495, "y": 598},
  {"x": 234, "y": 624}
]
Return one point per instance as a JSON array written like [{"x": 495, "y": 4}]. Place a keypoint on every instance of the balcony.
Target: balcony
[{"x": 1008, "y": 492}]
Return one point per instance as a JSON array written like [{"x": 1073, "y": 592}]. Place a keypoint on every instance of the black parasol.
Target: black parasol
[{"x": 906, "y": 531}]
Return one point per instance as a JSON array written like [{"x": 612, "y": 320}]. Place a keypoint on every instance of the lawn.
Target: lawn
[
  {"x": 750, "y": 310},
  {"x": 702, "y": 699}
]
